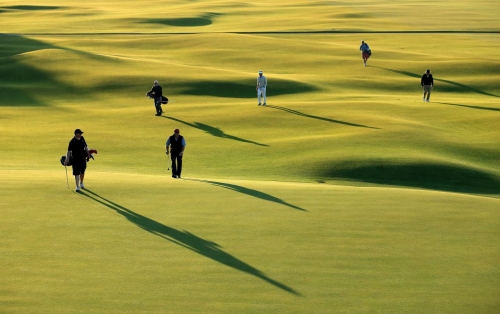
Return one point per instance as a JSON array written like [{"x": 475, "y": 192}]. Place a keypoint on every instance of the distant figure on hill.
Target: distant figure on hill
[
  {"x": 365, "y": 51},
  {"x": 78, "y": 153},
  {"x": 177, "y": 144},
  {"x": 427, "y": 83},
  {"x": 156, "y": 93},
  {"x": 261, "y": 88}
]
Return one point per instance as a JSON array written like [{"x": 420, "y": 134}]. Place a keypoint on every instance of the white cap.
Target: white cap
[
  {"x": 156, "y": 81},
  {"x": 260, "y": 72}
]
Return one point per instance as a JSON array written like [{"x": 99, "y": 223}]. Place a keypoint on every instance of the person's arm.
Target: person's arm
[
  {"x": 183, "y": 147},
  {"x": 87, "y": 151},
  {"x": 167, "y": 146},
  {"x": 422, "y": 80},
  {"x": 432, "y": 82},
  {"x": 68, "y": 155},
  {"x": 265, "y": 84},
  {"x": 86, "y": 148},
  {"x": 257, "y": 84}
]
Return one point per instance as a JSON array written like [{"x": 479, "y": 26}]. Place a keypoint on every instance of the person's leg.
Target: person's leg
[
  {"x": 264, "y": 94},
  {"x": 179, "y": 166},
  {"x": 258, "y": 95},
  {"x": 157, "y": 105},
  {"x": 76, "y": 172},
  {"x": 174, "y": 166},
  {"x": 83, "y": 167},
  {"x": 426, "y": 92},
  {"x": 428, "y": 87}
]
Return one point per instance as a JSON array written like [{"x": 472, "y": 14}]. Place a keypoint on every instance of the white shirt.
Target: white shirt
[{"x": 261, "y": 81}]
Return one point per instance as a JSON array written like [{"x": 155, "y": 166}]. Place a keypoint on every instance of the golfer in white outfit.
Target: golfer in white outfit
[{"x": 261, "y": 88}]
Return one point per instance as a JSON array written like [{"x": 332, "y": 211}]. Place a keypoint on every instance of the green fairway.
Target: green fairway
[{"x": 345, "y": 194}]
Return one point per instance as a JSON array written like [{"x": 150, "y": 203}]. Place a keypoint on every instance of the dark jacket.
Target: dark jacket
[
  {"x": 176, "y": 146},
  {"x": 155, "y": 91},
  {"x": 364, "y": 47},
  {"x": 77, "y": 148},
  {"x": 427, "y": 80}
]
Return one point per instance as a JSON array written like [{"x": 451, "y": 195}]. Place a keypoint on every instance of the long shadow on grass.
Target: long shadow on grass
[
  {"x": 185, "y": 239},
  {"x": 458, "y": 87},
  {"x": 468, "y": 106},
  {"x": 31, "y": 7},
  {"x": 251, "y": 192},
  {"x": 214, "y": 131},
  {"x": 319, "y": 118},
  {"x": 450, "y": 178}
]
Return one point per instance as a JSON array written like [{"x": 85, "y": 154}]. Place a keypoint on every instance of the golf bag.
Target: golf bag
[
  {"x": 164, "y": 100},
  {"x": 63, "y": 158}
]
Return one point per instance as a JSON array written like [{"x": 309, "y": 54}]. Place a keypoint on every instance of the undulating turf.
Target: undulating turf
[{"x": 346, "y": 194}]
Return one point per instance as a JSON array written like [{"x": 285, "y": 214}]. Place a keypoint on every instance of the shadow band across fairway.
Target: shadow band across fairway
[
  {"x": 251, "y": 192},
  {"x": 214, "y": 131},
  {"x": 185, "y": 239},
  {"x": 319, "y": 118},
  {"x": 458, "y": 87},
  {"x": 449, "y": 178}
]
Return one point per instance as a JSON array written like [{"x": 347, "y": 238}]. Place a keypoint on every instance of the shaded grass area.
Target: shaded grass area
[
  {"x": 202, "y": 20},
  {"x": 433, "y": 176},
  {"x": 241, "y": 88},
  {"x": 185, "y": 239},
  {"x": 11, "y": 45}
]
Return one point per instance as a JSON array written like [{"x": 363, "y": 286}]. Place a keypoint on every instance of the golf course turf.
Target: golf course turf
[{"x": 345, "y": 194}]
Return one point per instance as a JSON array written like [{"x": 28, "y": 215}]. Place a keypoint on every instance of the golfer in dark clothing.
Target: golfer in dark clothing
[
  {"x": 156, "y": 93},
  {"x": 365, "y": 51},
  {"x": 79, "y": 154},
  {"x": 177, "y": 145},
  {"x": 427, "y": 83}
]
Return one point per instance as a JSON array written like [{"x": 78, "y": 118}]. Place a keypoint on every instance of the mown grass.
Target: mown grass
[{"x": 347, "y": 193}]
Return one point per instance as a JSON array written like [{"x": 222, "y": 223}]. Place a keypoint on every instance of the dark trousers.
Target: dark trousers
[
  {"x": 158, "y": 105},
  {"x": 176, "y": 167}
]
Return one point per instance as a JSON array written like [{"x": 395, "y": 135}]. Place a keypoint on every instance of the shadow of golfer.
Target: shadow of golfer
[
  {"x": 468, "y": 106},
  {"x": 319, "y": 118},
  {"x": 185, "y": 239},
  {"x": 461, "y": 87},
  {"x": 251, "y": 192},
  {"x": 214, "y": 131}
]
